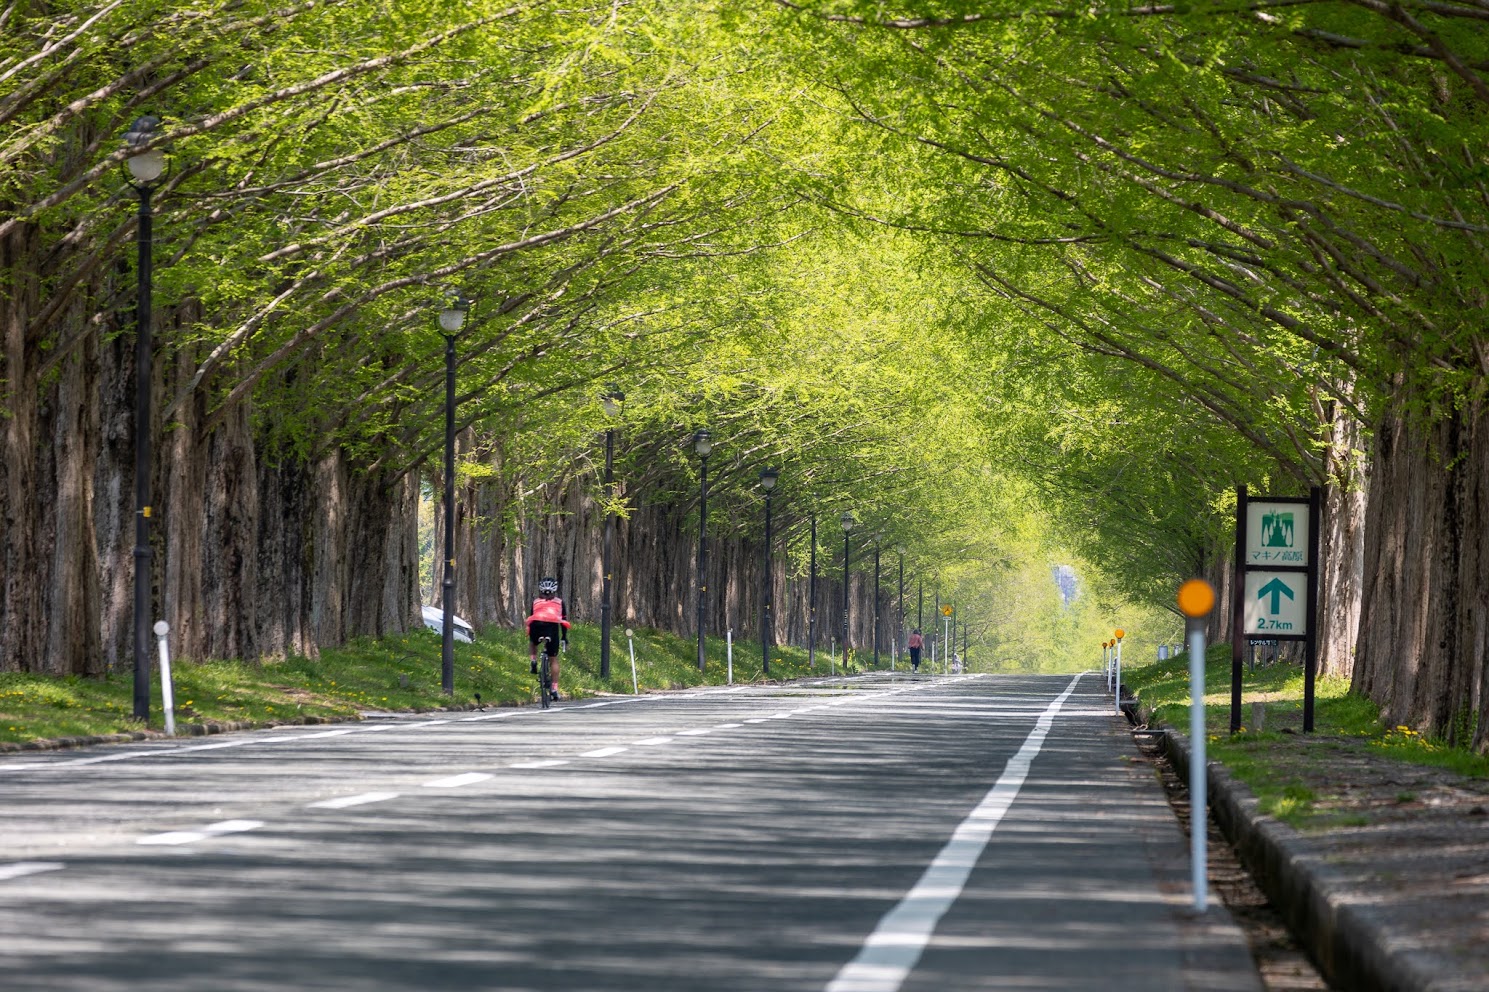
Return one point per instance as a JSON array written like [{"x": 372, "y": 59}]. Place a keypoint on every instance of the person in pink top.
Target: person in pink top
[
  {"x": 915, "y": 643},
  {"x": 548, "y": 622}
]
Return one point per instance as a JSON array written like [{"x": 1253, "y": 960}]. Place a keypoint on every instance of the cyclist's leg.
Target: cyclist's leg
[
  {"x": 533, "y": 636},
  {"x": 553, "y": 665}
]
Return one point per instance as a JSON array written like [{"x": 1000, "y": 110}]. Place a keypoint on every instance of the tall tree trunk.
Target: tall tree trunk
[{"x": 1422, "y": 643}]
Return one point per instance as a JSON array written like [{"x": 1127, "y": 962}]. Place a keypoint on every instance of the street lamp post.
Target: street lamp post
[
  {"x": 812, "y": 602},
  {"x": 847, "y": 521},
  {"x": 876, "y": 605},
  {"x": 613, "y": 401},
  {"x": 703, "y": 445},
  {"x": 899, "y": 641},
  {"x": 451, "y": 320},
  {"x": 768, "y": 477},
  {"x": 145, "y": 166}
]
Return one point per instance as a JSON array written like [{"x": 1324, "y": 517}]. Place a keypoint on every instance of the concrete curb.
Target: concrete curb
[{"x": 1351, "y": 942}]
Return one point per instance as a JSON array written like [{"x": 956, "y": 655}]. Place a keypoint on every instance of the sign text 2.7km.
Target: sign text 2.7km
[{"x": 1276, "y": 603}]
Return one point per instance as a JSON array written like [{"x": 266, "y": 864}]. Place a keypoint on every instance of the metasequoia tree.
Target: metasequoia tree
[{"x": 1279, "y": 209}]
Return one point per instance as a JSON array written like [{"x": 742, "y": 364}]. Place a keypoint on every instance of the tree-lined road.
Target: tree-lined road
[{"x": 747, "y": 838}]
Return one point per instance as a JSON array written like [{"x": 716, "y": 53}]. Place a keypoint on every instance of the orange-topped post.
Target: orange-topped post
[
  {"x": 1117, "y": 636},
  {"x": 1196, "y": 600}
]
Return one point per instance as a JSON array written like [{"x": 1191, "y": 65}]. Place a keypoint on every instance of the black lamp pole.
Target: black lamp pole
[
  {"x": 703, "y": 445},
  {"x": 145, "y": 166},
  {"x": 876, "y": 605},
  {"x": 900, "y": 621},
  {"x": 612, "y": 401},
  {"x": 847, "y": 522},
  {"x": 812, "y": 602},
  {"x": 768, "y": 478},
  {"x": 451, "y": 319}
]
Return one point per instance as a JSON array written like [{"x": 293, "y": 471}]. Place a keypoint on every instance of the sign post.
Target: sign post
[
  {"x": 1275, "y": 594},
  {"x": 1119, "y": 633}
]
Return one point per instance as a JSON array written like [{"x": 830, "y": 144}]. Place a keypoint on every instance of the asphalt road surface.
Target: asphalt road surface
[{"x": 855, "y": 835}]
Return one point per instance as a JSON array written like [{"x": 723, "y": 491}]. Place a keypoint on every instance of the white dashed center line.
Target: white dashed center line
[
  {"x": 697, "y": 732},
  {"x": 456, "y": 781},
  {"x": 210, "y": 830},
  {"x": 729, "y": 726},
  {"x": 757, "y": 719},
  {"x": 20, "y": 869},
  {"x": 361, "y": 800},
  {"x": 603, "y": 752},
  {"x": 549, "y": 763},
  {"x": 651, "y": 741}
]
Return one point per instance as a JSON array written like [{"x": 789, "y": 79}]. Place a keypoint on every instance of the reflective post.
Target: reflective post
[
  {"x": 631, "y": 644},
  {"x": 1196, "y": 600},
  {"x": 1119, "y": 633}
]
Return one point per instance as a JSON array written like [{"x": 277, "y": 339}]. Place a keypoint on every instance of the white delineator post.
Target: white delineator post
[
  {"x": 1196, "y": 599},
  {"x": 167, "y": 693},
  {"x": 631, "y": 644},
  {"x": 729, "y": 646},
  {"x": 1117, "y": 671}
]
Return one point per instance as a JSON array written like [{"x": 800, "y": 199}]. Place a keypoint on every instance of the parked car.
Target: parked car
[{"x": 434, "y": 619}]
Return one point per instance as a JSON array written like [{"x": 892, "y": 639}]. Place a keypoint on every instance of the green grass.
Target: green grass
[
  {"x": 391, "y": 673},
  {"x": 1270, "y": 762}
]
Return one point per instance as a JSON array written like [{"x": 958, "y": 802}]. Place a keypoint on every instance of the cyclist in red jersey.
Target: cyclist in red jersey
[{"x": 549, "y": 619}]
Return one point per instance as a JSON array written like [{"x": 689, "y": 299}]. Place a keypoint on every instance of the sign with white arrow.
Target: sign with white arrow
[{"x": 1276, "y": 603}]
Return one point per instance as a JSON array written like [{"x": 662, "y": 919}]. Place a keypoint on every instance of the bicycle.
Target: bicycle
[{"x": 545, "y": 672}]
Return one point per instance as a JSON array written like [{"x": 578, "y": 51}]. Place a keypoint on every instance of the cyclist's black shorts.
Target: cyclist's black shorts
[{"x": 539, "y": 629}]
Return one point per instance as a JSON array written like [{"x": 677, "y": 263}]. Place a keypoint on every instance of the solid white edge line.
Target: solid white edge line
[
  {"x": 20, "y": 869},
  {"x": 890, "y": 953}
]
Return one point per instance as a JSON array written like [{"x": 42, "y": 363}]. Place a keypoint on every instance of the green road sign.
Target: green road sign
[
  {"x": 1276, "y": 534},
  {"x": 1276, "y": 604}
]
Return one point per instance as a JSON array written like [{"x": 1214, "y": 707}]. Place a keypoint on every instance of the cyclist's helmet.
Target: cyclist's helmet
[{"x": 548, "y": 587}]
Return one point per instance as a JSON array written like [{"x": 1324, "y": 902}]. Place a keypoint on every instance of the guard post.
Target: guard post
[{"x": 1196, "y": 600}]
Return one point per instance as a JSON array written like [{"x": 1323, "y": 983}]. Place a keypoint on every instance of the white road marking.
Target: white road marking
[
  {"x": 456, "y": 781},
  {"x": 325, "y": 733},
  {"x": 696, "y": 732},
  {"x": 757, "y": 719},
  {"x": 651, "y": 741},
  {"x": 363, "y": 799},
  {"x": 603, "y": 752},
  {"x": 19, "y": 869},
  {"x": 210, "y": 830},
  {"x": 425, "y": 723},
  {"x": 549, "y": 763},
  {"x": 728, "y": 726},
  {"x": 488, "y": 716},
  {"x": 892, "y": 950}
]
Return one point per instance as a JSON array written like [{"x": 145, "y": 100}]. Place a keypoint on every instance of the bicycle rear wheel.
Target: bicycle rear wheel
[{"x": 545, "y": 680}]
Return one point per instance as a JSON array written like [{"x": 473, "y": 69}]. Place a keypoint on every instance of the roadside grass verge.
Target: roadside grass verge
[
  {"x": 1285, "y": 769},
  {"x": 400, "y": 672}
]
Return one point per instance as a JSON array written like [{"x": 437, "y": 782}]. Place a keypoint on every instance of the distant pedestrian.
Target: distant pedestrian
[{"x": 915, "y": 643}]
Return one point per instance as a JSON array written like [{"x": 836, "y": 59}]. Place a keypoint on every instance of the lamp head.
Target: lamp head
[
  {"x": 145, "y": 165},
  {"x": 1119, "y": 633},
  {"x": 846, "y": 520},
  {"x": 452, "y": 317},
  {"x": 613, "y": 400},
  {"x": 702, "y": 442},
  {"x": 768, "y": 477}
]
